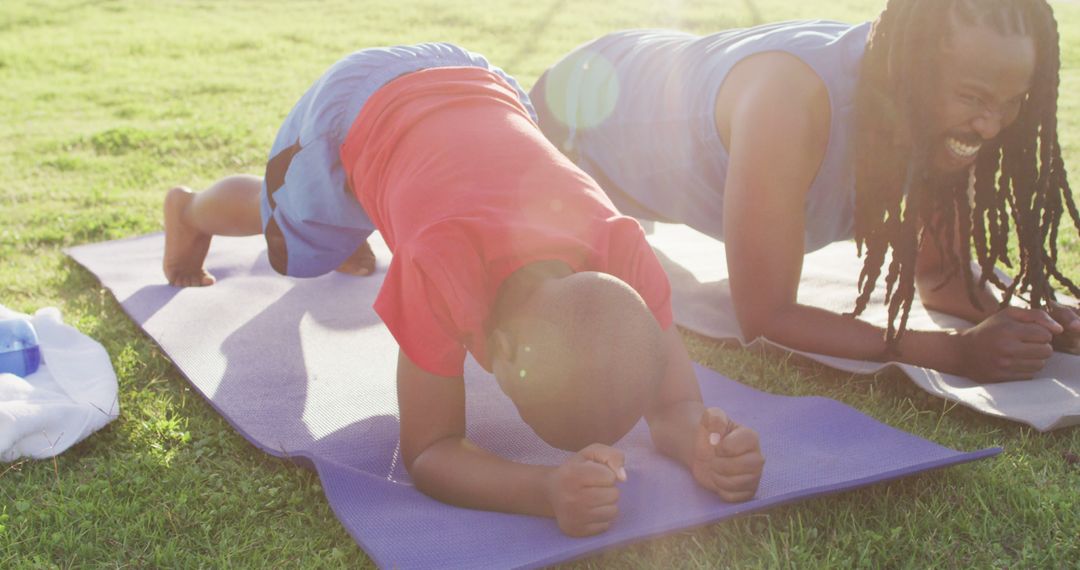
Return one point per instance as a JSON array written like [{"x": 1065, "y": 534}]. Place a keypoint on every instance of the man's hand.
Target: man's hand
[
  {"x": 1012, "y": 344},
  {"x": 727, "y": 457},
  {"x": 1067, "y": 317},
  {"x": 582, "y": 490}
]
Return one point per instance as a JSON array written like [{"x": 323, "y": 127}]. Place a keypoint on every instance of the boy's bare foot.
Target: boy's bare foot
[
  {"x": 361, "y": 262},
  {"x": 185, "y": 245}
]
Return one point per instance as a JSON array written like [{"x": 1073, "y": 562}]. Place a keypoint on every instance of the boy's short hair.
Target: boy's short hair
[{"x": 590, "y": 355}]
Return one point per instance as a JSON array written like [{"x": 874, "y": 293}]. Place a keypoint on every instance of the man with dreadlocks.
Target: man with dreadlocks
[{"x": 928, "y": 133}]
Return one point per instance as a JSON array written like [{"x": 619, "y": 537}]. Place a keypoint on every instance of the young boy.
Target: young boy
[{"x": 502, "y": 248}]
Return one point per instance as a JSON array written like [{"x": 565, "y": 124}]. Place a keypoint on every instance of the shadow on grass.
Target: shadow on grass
[{"x": 261, "y": 378}]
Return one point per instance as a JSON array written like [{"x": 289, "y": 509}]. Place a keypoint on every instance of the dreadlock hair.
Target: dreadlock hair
[{"x": 1018, "y": 177}]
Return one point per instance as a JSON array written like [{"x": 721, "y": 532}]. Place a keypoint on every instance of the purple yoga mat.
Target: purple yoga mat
[{"x": 304, "y": 369}]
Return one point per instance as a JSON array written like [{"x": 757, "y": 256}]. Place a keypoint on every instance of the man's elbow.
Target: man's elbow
[
  {"x": 752, "y": 325},
  {"x": 751, "y": 331},
  {"x": 762, "y": 323}
]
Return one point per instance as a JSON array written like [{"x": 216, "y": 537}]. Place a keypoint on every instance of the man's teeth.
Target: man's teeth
[{"x": 960, "y": 149}]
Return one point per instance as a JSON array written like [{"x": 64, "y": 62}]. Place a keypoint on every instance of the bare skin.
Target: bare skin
[
  {"x": 185, "y": 245},
  {"x": 230, "y": 207},
  {"x": 774, "y": 109},
  {"x": 361, "y": 262},
  {"x": 581, "y": 494}
]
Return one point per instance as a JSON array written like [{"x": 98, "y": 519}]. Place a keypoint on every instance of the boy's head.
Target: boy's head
[{"x": 580, "y": 358}]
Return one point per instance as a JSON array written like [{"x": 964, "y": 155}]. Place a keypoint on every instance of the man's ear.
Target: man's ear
[{"x": 503, "y": 346}]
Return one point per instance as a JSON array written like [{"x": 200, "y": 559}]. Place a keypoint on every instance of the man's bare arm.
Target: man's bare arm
[
  {"x": 942, "y": 288},
  {"x": 776, "y": 125}
]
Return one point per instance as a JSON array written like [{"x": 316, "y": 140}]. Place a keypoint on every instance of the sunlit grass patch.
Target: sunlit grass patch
[{"x": 105, "y": 105}]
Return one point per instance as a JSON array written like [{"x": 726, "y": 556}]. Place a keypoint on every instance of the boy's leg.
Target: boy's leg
[{"x": 230, "y": 207}]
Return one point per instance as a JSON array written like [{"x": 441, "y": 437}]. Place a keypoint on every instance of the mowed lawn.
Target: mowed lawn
[{"x": 105, "y": 104}]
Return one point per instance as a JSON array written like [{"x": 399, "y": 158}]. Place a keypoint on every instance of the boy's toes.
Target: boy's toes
[
  {"x": 361, "y": 262},
  {"x": 204, "y": 279}
]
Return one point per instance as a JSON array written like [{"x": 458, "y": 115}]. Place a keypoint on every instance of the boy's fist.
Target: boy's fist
[
  {"x": 582, "y": 490},
  {"x": 727, "y": 457}
]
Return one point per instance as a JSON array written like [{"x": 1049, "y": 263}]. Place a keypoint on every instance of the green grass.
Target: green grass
[{"x": 105, "y": 104}]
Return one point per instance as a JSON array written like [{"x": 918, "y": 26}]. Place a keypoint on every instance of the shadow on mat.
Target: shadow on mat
[
  {"x": 295, "y": 383},
  {"x": 143, "y": 304}
]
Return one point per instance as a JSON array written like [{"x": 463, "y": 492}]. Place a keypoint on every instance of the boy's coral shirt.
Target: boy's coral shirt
[{"x": 465, "y": 190}]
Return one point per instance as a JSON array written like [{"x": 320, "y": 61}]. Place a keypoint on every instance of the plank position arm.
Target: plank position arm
[
  {"x": 942, "y": 289},
  {"x": 773, "y": 114},
  {"x": 580, "y": 494},
  {"x": 723, "y": 456}
]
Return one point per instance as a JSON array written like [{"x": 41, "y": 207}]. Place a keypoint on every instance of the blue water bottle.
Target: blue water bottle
[{"x": 19, "y": 351}]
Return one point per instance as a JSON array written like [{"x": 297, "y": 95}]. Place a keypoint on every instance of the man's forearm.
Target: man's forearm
[
  {"x": 811, "y": 329},
  {"x": 456, "y": 471},
  {"x": 952, "y": 297}
]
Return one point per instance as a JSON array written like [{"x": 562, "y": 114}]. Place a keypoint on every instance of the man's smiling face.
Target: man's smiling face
[{"x": 984, "y": 78}]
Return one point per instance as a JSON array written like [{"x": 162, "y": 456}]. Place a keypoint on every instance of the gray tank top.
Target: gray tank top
[{"x": 639, "y": 108}]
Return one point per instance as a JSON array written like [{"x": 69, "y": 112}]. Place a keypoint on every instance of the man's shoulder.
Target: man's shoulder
[
  {"x": 774, "y": 84},
  {"x": 779, "y": 76}
]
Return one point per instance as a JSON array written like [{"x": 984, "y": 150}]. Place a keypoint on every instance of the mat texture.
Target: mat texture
[
  {"x": 701, "y": 301},
  {"x": 304, "y": 369}
]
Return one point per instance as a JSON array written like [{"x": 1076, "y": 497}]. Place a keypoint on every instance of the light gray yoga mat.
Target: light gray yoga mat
[
  {"x": 304, "y": 369},
  {"x": 701, "y": 300}
]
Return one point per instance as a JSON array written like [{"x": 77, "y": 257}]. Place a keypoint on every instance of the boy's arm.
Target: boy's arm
[
  {"x": 723, "y": 456},
  {"x": 580, "y": 493}
]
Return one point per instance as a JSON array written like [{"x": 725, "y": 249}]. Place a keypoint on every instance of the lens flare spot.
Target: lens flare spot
[{"x": 582, "y": 90}]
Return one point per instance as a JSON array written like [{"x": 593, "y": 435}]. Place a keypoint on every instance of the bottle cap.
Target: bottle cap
[{"x": 19, "y": 351}]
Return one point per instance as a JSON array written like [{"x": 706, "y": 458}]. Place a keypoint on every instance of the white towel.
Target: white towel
[
  {"x": 701, "y": 300},
  {"x": 71, "y": 395}
]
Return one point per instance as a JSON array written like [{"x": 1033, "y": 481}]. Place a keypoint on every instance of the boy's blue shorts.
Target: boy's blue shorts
[{"x": 311, "y": 220}]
